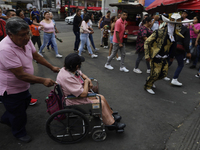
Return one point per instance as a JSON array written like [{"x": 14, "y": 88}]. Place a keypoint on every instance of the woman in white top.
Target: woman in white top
[{"x": 85, "y": 30}]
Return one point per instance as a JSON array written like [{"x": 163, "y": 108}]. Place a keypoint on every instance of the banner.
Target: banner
[{"x": 58, "y": 4}]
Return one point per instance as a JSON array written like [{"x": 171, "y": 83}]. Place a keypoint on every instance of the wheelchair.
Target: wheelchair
[{"x": 73, "y": 123}]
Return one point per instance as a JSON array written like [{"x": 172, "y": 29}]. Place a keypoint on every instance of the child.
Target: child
[
  {"x": 35, "y": 33},
  {"x": 105, "y": 36}
]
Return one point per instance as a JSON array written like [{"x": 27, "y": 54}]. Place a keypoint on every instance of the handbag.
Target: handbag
[{"x": 81, "y": 29}]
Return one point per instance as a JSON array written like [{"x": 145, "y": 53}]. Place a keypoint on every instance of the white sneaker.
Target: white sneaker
[
  {"x": 175, "y": 82},
  {"x": 148, "y": 70},
  {"x": 187, "y": 61},
  {"x": 124, "y": 69},
  {"x": 118, "y": 59},
  {"x": 150, "y": 91},
  {"x": 96, "y": 49},
  {"x": 109, "y": 67},
  {"x": 59, "y": 56},
  {"x": 40, "y": 54},
  {"x": 166, "y": 78},
  {"x": 154, "y": 86},
  {"x": 137, "y": 71},
  {"x": 104, "y": 47},
  {"x": 108, "y": 57},
  {"x": 94, "y": 56}
]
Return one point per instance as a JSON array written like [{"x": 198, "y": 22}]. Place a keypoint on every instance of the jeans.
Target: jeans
[
  {"x": 114, "y": 52},
  {"x": 50, "y": 43},
  {"x": 36, "y": 39},
  {"x": 15, "y": 114},
  {"x": 180, "y": 60},
  {"x": 77, "y": 40},
  {"x": 140, "y": 56},
  {"x": 197, "y": 57},
  {"x": 101, "y": 39},
  {"x": 47, "y": 37},
  {"x": 85, "y": 40},
  {"x": 92, "y": 41}
]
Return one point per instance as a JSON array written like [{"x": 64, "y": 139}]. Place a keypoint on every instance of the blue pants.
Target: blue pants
[
  {"x": 15, "y": 114},
  {"x": 197, "y": 57},
  {"x": 77, "y": 40},
  {"x": 180, "y": 61},
  {"x": 91, "y": 40},
  {"x": 47, "y": 37},
  {"x": 85, "y": 40},
  {"x": 50, "y": 43}
]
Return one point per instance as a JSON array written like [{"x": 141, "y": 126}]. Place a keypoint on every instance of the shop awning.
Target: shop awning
[
  {"x": 164, "y": 6},
  {"x": 190, "y": 5},
  {"x": 81, "y": 7},
  {"x": 94, "y": 8},
  {"x": 147, "y": 3},
  {"x": 71, "y": 6}
]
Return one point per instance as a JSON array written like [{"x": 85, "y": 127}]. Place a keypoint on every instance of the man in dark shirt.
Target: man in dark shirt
[{"x": 76, "y": 29}]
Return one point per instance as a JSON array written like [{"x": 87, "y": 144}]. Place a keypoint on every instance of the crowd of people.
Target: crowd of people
[{"x": 160, "y": 39}]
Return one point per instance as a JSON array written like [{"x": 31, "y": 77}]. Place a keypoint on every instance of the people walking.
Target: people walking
[
  {"x": 76, "y": 24},
  {"x": 143, "y": 34},
  {"x": 49, "y": 34},
  {"x": 118, "y": 42},
  {"x": 84, "y": 30}
]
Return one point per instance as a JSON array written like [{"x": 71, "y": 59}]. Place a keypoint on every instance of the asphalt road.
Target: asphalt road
[{"x": 150, "y": 119}]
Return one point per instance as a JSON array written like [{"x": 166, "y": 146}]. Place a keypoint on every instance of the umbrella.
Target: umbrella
[
  {"x": 148, "y": 2},
  {"x": 164, "y": 6},
  {"x": 190, "y": 5}
]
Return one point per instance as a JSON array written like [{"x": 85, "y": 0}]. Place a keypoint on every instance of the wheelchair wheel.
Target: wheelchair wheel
[
  {"x": 67, "y": 126},
  {"x": 99, "y": 135}
]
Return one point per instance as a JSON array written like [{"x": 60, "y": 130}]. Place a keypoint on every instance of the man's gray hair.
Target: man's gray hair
[{"x": 15, "y": 24}]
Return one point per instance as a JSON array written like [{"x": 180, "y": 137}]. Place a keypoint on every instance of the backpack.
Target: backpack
[
  {"x": 53, "y": 101},
  {"x": 101, "y": 24}
]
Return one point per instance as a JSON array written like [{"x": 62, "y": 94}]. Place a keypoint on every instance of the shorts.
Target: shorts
[{"x": 111, "y": 39}]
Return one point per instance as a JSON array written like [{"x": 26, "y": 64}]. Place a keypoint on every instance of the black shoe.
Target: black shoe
[
  {"x": 192, "y": 67},
  {"x": 25, "y": 138},
  {"x": 117, "y": 118},
  {"x": 101, "y": 45},
  {"x": 119, "y": 125}
]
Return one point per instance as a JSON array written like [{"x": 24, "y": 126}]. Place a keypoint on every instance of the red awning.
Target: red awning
[
  {"x": 190, "y": 5},
  {"x": 71, "y": 6},
  {"x": 81, "y": 7},
  {"x": 162, "y": 6},
  {"x": 94, "y": 8}
]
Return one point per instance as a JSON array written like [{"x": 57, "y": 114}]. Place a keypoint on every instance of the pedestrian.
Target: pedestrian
[
  {"x": 35, "y": 13},
  {"x": 143, "y": 33},
  {"x": 113, "y": 21},
  {"x": 105, "y": 20},
  {"x": 76, "y": 24},
  {"x": 145, "y": 16},
  {"x": 179, "y": 53},
  {"x": 194, "y": 31},
  {"x": 118, "y": 42},
  {"x": 155, "y": 23},
  {"x": 157, "y": 50},
  {"x": 85, "y": 31},
  {"x": 16, "y": 71},
  {"x": 85, "y": 13},
  {"x": 2, "y": 29},
  {"x": 91, "y": 35},
  {"x": 49, "y": 34},
  {"x": 2, "y": 15},
  {"x": 10, "y": 13},
  {"x": 35, "y": 33},
  {"x": 56, "y": 31},
  {"x": 96, "y": 17},
  {"x": 105, "y": 36},
  {"x": 184, "y": 16}
]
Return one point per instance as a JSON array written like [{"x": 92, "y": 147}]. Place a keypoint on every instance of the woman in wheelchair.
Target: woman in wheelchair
[{"x": 74, "y": 82}]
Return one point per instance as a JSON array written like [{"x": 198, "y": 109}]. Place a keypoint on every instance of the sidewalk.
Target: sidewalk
[{"x": 187, "y": 136}]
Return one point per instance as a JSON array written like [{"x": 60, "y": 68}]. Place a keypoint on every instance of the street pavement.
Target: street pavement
[{"x": 168, "y": 120}]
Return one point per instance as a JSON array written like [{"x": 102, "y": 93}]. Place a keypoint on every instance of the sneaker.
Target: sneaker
[
  {"x": 123, "y": 69},
  {"x": 33, "y": 102},
  {"x": 175, "y": 82},
  {"x": 118, "y": 59},
  {"x": 109, "y": 67},
  {"x": 108, "y": 57},
  {"x": 101, "y": 45},
  {"x": 40, "y": 54},
  {"x": 192, "y": 67},
  {"x": 166, "y": 78},
  {"x": 96, "y": 49},
  {"x": 148, "y": 70},
  {"x": 137, "y": 71},
  {"x": 94, "y": 56},
  {"x": 59, "y": 56},
  {"x": 187, "y": 61},
  {"x": 197, "y": 75},
  {"x": 104, "y": 47},
  {"x": 25, "y": 139},
  {"x": 150, "y": 91}
]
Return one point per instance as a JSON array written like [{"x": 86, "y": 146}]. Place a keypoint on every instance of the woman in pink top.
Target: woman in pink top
[
  {"x": 194, "y": 30},
  {"x": 49, "y": 34},
  {"x": 85, "y": 37},
  {"x": 74, "y": 82}
]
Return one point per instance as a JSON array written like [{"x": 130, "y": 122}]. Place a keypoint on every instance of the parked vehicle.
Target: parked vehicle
[{"x": 70, "y": 19}]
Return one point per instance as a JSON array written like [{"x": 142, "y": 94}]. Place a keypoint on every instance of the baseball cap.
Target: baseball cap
[
  {"x": 186, "y": 11},
  {"x": 33, "y": 7},
  {"x": 73, "y": 59}
]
